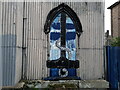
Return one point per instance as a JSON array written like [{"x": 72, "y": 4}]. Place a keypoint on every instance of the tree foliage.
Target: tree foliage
[{"x": 115, "y": 41}]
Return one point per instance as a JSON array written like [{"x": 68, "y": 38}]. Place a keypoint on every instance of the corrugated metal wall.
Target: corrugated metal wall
[
  {"x": 91, "y": 41},
  {"x": 12, "y": 42},
  {"x": 0, "y": 45},
  {"x": 35, "y": 40},
  {"x": 23, "y": 27}
]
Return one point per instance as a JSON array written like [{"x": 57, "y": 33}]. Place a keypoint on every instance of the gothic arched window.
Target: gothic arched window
[{"x": 62, "y": 25}]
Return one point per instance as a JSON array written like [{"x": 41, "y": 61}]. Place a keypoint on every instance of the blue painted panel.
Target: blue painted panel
[
  {"x": 114, "y": 74},
  {"x": 108, "y": 63},
  {"x": 118, "y": 57},
  {"x": 113, "y": 59},
  {"x": 9, "y": 59}
]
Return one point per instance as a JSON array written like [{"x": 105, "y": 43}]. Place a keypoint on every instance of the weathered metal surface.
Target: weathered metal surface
[
  {"x": 31, "y": 37},
  {"x": 11, "y": 42},
  {"x": 0, "y": 45}
]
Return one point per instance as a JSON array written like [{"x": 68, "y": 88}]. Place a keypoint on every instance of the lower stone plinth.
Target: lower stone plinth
[{"x": 88, "y": 84}]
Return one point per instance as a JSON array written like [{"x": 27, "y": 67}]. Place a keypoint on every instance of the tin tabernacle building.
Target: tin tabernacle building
[{"x": 26, "y": 47}]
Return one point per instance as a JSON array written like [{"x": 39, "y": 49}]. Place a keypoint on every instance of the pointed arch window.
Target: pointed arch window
[{"x": 62, "y": 25}]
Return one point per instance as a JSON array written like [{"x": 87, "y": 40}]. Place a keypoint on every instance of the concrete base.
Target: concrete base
[
  {"x": 64, "y": 84},
  {"x": 87, "y": 84},
  {"x": 93, "y": 84}
]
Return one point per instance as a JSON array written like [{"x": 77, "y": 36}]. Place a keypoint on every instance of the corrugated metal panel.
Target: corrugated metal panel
[
  {"x": 11, "y": 37},
  {"x": 0, "y": 45},
  {"x": 91, "y": 41},
  {"x": 8, "y": 44},
  {"x": 35, "y": 39},
  {"x": 19, "y": 29},
  {"x": 19, "y": 35}
]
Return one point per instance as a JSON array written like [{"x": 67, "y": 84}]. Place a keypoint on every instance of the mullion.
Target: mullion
[{"x": 63, "y": 34}]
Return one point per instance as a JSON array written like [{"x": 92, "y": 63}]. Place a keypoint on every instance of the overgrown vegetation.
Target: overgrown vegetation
[
  {"x": 36, "y": 85},
  {"x": 115, "y": 41}
]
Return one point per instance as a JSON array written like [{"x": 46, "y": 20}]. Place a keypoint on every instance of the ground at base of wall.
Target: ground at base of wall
[{"x": 63, "y": 84}]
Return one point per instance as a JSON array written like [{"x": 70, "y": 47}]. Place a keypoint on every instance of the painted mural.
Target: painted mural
[{"x": 55, "y": 47}]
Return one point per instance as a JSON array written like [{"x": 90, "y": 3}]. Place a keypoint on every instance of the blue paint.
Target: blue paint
[
  {"x": 113, "y": 65},
  {"x": 72, "y": 72},
  {"x": 70, "y": 35},
  {"x": 9, "y": 59},
  {"x": 70, "y": 43},
  {"x": 118, "y": 59},
  {"x": 54, "y": 36},
  {"x": 55, "y": 31},
  {"x": 54, "y": 72},
  {"x": 68, "y": 26}
]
